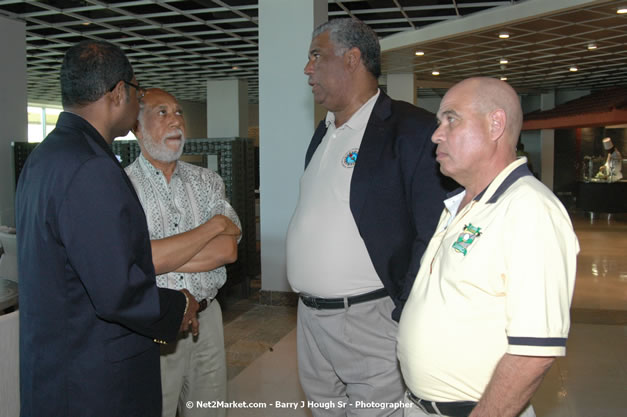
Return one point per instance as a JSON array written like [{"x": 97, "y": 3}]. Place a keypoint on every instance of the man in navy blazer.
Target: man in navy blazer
[
  {"x": 91, "y": 314},
  {"x": 370, "y": 198}
]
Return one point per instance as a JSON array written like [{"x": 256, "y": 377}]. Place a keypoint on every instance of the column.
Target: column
[
  {"x": 13, "y": 114},
  {"x": 402, "y": 87},
  {"x": 286, "y": 123},
  {"x": 227, "y": 108}
]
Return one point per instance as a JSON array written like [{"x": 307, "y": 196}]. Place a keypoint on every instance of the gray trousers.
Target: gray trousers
[
  {"x": 347, "y": 360},
  {"x": 194, "y": 369}
]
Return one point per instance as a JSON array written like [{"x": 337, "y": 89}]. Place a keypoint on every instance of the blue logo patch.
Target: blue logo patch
[{"x": 350, "y": 158}]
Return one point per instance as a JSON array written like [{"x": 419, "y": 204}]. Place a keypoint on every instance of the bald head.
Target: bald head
[
  {"x": 490, "y": 94},
  {"x": 480, "y": 120}
]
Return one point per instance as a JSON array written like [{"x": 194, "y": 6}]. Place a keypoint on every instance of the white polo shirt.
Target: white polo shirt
[
  {"x": 326, "y": 256},
  {"x": 496, "y": 278}
]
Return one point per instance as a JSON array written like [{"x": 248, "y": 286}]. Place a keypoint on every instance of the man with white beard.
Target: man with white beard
[{"x": 193, "y": 233}]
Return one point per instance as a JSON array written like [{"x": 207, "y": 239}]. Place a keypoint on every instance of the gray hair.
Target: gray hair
[{"x": 350, "y": 33}]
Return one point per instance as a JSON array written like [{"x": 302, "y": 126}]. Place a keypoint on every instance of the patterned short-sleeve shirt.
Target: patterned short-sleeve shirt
[{"x": 193, "y": 196}]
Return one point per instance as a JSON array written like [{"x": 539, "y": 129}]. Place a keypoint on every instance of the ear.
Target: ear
[
  {"x": 498, "y": 120},
  {"x": 118, "y": 94},
  {"x": 353, "y": 58}
]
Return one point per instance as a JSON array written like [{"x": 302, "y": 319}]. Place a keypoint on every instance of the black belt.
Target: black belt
[
  {"x": 451, "y": 409},
  {"x": 334, "y": 303}
]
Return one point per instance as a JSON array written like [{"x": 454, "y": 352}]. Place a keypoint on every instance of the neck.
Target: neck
[
  {"x": 355, "y": 103},
  {"x": 482, "y": 179},
  {"x": 95, "y": 114}
]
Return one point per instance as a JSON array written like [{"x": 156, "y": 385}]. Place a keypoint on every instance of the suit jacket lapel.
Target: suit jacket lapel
[{"x": 375, "y": 137}]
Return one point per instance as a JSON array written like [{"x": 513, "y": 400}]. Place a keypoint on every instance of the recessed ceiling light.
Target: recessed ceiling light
[
  {"x": 435, "y": 72},
  {"x": 592, "y": 46},
  {"x": 503, "y": 35},
  {"x": 235, "y": 67},
  {"x": 622, "y": 10},
  {"x": 503, "y": 61},
  {"x": 573, "y": 68},
  {"x": 420, "y": 53},
  {"x": 86, "y": 23},
  {"x": 503, "y": 78}
]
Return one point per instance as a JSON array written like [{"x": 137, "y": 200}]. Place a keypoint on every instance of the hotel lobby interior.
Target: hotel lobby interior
[{"x": 567, "y": 59}]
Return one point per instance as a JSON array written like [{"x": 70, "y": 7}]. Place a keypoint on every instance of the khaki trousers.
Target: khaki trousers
[{"x": 194, "y": 369}]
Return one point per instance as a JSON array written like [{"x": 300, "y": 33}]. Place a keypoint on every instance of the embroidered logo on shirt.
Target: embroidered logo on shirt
[
  {"x": 350, "y": 158},
  {"x": 466, "y": 238}
]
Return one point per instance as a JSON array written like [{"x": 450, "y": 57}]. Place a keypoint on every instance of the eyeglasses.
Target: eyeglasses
[{"x": 140, "y": 91}]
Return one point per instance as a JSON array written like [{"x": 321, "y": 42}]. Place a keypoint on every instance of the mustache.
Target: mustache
[{"x": 176, "y": 132}]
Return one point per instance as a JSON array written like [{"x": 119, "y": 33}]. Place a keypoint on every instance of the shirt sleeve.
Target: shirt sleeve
[
  {"x": 218, "y": 200},
  {"x": 541, "y": 249}
]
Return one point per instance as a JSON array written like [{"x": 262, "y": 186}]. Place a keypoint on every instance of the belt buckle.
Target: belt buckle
[{"x": 311, "y": 302}]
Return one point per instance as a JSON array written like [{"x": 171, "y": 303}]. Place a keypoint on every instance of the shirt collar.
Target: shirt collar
[
  {"x": 359, "y": 119},
  {"x": 154, "y": 171},
  {"x": 512, "y": 173},
  {"x": 497, "y": 187}
]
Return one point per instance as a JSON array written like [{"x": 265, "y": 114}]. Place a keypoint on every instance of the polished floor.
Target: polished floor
[{"x": 591, "y": 381}]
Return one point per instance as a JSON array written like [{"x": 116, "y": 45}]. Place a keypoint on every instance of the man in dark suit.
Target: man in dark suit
[
  {"x": 90, "y": 310},
  {"x": 369, "y": 201}
]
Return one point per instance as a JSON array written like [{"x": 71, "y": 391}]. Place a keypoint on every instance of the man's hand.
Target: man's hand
[
  {"x": 190, "y": 319},
  {"x": 227, "y": 226}
]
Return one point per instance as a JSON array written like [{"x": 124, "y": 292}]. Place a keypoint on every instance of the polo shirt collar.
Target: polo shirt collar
[
  {"x": 359, "y": 119},
  {"x": 512, "y": 173},
  {"x": 497, "y": 187}
]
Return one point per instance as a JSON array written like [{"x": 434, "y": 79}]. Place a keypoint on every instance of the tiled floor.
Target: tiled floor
[{"x": 591, "y": 381}]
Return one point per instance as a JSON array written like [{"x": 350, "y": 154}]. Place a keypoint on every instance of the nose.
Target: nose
[
  {"x": 437, "y": 136},
  {"x": 309, "y": 67},
  {"x": 176, "y": 121}
]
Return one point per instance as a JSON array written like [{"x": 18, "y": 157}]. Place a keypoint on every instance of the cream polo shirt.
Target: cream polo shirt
[
  {"x": 193, "y": 196},
  {"x": 326, "y": 256},
  {"x": 496, "y": 278}
]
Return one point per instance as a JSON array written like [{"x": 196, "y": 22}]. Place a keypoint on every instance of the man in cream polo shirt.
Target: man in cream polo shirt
[
  {"x": 489, "y": 310},
  {"x": 369, "y": 202}
]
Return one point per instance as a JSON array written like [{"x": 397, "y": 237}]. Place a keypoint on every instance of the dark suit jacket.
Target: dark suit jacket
[
  {"x": 89, "y": 304},
  {"x": 397, "y": 191}
]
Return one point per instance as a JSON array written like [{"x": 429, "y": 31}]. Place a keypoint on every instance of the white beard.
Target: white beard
[{"x": 159, "y": 151}]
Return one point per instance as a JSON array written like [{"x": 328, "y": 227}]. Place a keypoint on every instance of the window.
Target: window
[{"x": 42, "y": 121}]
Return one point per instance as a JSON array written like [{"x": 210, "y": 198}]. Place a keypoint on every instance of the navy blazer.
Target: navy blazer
[
  {"x": 89, "y": 303},
  {"x": 397, "y": 191}
]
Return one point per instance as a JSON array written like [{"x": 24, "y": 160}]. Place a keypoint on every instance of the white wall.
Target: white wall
[
  {"x": 286, "y": 122},
  {"x": 13, "y": 114}
]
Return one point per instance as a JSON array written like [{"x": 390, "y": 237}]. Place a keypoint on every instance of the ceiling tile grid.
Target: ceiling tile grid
[{"x": 179, "y": 44}]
